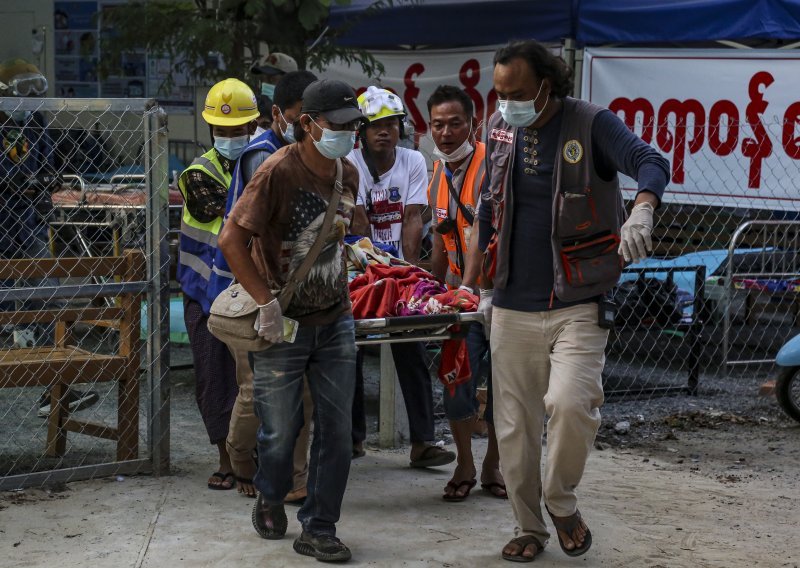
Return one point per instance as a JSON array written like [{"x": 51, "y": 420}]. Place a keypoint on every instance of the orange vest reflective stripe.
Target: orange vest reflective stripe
[{"x": 469, "y": 194}]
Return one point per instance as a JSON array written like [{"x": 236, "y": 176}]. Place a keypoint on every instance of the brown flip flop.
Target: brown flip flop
[
  {"x": 453, "y": 498},
  {"x": 489, "y": 486},
  {"x": 223, "y": 477}
]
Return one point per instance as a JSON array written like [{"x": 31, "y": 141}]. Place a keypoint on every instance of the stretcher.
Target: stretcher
[
  {"x": 104, "y": 218},
  {"x": 404, "y": 329},
  {"x": 399, "y": 329}
]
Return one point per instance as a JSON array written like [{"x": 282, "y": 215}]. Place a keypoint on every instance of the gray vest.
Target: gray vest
[{"x": 587, "y": 210}]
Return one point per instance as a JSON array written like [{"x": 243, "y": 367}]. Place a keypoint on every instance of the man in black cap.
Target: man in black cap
[{"x": 282, "y": 210}]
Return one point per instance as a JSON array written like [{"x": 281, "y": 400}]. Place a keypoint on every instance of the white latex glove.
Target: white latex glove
[
  {"x": 466, "y": 289},
  {"x": 485, "y": 308},
  {"x": 269, "y": 323},
  {"x": 635, "y": 241}
]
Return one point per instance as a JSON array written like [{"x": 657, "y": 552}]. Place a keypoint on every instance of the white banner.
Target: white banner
[{"x": 727, "y": 120}]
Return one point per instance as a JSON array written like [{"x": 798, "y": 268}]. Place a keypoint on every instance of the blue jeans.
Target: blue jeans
[
  {"x": 326, "y": 354},
  {"x": 463, "y": 404}
]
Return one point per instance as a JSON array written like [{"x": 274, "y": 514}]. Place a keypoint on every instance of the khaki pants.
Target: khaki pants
[
  {"x": 241, "y": 439},
  {"x": 546, "y": 362}
]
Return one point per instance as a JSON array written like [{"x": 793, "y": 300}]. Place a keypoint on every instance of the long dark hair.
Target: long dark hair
[{"x": 542, "y": 62}]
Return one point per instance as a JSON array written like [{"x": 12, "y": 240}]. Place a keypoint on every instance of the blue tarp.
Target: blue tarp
[
  {"x": 449, "y": 23},
  {"x": 650, "y": 21},
  {"x": 459, "y": 23}
]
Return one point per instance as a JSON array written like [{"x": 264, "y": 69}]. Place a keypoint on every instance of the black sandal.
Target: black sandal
[
  {"x": 433, "y": 456},
  {"x": 246, "y": 481},
  {"x": 452, "y": 497},
  {"x": 488, "y": 487},
  {"x": 568, "y": 526},
  {"x": 223, "y": 477},
  {"x": 523, "y": 541}
]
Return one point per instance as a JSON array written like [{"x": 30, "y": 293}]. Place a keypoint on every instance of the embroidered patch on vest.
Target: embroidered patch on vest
[
  {"x": 441, "y": 213},
  {"x": 573, "y": 151},
  {"x": 501, "y": 135},
  {"x": 226, "y": 109}
]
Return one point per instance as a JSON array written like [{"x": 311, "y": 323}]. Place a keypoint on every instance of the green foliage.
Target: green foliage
[{"x": 194, "y": 35}]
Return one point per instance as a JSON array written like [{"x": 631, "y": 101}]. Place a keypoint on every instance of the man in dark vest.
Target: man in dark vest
[{"x": 552, "y": 222}]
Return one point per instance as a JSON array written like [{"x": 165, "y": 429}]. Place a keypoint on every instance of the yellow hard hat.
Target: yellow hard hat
[
  {"x": 230, "y": 103},
  {"x": 376, "y": 103}
]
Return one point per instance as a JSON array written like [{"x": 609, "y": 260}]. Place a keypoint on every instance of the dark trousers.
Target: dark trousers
[
  {"x": 359, "y": 433},
  {"x": 326, "y": 355},
  {"x": 411, "y": 362},
  {"x": 214, "y": 372}
]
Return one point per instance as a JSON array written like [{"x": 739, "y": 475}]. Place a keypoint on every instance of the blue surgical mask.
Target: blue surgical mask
[
  {"x": 268, "y": 89},
  {"x": 335, "y": 143},
  {"x": 521, "y": 113},
  {"x": 287, "y": 134},
  {"x": 231, "y": 148},
  {"x": 21, "y": 116}
]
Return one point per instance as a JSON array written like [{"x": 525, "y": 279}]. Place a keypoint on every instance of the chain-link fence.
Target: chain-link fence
[
  {"x": 721, "y": 294},
  {"x": 723, "y": 288},
  {"x": 84, "y": 272}
]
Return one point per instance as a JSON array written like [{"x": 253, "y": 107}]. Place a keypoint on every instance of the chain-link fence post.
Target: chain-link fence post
[{"x": 157, "y": 168}]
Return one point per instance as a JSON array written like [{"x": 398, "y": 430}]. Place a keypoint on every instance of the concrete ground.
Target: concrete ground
[
  {"x": 708, "y": 497},
  {"x": 641, "y": 514}
]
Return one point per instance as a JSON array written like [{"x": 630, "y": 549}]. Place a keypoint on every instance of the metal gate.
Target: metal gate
[
  {"x": 762, "y": 291},
  {"x": 84, "y": 295}
]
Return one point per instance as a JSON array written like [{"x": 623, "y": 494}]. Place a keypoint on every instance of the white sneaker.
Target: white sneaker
[
  {"x": 76, "y": 400},
  {"x": 24, "y": 338}
]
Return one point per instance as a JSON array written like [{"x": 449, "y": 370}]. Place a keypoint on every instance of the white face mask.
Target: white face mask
[
  {"x": 522, "y": 113},
  {"x": 460, "y": 153}
]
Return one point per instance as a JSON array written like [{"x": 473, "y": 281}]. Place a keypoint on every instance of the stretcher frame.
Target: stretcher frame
[{"x": 404, "y": 329}]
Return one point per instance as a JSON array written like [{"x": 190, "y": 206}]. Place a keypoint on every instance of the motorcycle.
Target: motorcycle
[{"x": 787, "y": 385}]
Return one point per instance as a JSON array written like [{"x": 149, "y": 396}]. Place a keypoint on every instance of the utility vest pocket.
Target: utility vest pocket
[
  {"x": 591, "y": 260},
  {"x": 576, "y": 213}
]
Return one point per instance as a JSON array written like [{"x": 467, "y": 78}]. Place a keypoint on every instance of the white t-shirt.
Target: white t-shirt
[{"x": 405, "y": 184}]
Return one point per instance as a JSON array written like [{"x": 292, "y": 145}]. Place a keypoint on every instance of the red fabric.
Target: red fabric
[
  {"x": 454, "y": 364},
  {"x": 375, "y": 300},
  {"x": 457, "y": 301},
  {"x": 385, "y": 291},
  {"x": 405, "y": 275},
  {"x": 375, "y": 293}
]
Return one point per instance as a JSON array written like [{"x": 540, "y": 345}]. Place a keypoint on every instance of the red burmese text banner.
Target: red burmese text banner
[{"x": 728, "y": 120}]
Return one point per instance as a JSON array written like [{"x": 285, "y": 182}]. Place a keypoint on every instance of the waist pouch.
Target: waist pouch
[
  {"x": 232, "y": 319},
  {"x": 591, "y": 260}
]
